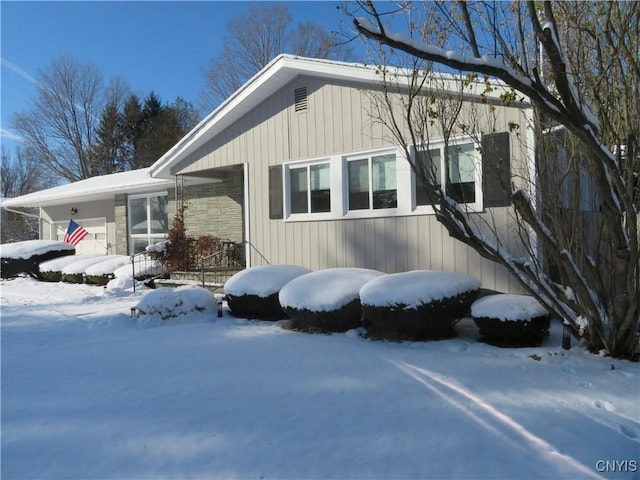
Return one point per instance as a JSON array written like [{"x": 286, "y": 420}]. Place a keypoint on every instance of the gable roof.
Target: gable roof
[
  {"x": 91, "y": 189},
  {"x": 265, "y": 83}
]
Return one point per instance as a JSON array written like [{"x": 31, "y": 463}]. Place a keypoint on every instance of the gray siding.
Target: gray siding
[{"x": 338, "y": 121}]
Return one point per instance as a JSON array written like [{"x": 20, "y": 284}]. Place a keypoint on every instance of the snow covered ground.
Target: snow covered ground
[{"x": 89, "y": 392}]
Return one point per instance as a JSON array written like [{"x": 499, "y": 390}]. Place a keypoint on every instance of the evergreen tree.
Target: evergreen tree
[
  {"x": 110, "y": 152},
  {"x": 152, "y": 129},
  {"x": 132, "y": 125}
]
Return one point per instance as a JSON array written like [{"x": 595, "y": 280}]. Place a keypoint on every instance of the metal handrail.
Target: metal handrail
[
  {"x": 229, "y": 247},
  {"x": 257, "y": 251},
  {"x": 148, "y": 258},
  {"x": 207, "y": 257}
]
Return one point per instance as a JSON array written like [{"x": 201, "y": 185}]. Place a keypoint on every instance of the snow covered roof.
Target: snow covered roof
[
  {"x": 91, "y": 189},
  {"x": 265, "y": 83}
]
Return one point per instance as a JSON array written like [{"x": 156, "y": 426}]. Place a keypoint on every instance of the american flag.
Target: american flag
[{"x": 75, "y": 233}]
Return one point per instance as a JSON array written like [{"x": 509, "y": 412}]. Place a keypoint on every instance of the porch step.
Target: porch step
[{"x": 215, "y": 287}]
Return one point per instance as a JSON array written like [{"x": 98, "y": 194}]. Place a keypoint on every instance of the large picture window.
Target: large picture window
[
  {"x": 372, "y": 182},
  {"x": 148, "y": 221},
  {"x": 462, "y": 167},
  {"x": 309, "y": 189}
]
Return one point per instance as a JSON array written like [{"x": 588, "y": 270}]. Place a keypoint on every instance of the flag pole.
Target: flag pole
[{"x": 106, "y": 247}]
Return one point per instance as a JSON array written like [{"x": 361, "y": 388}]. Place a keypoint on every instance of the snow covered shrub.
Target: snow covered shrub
[
  {"x": 326, "y": 300},
  {"x": 50, "y": 276},
  {"x": 51, "y": 270},
  {"x": 72, "y": 277},
  {"x": 74, "y": 272},
  {"x": 163, "y": 304},
  {"x": 417, "y": 305},
  {"x": 99, "y": 280},
  {"x": 144, "y": 268},
  {"x": 253, "y": 292},
  {"x": 511, "y": 320},
  {"x": 25, "y": 257},
  {"x": 102, "y": 272}
]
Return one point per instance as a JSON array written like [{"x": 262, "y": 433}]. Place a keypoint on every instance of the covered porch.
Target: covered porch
[{"x": 213, "y": 206}]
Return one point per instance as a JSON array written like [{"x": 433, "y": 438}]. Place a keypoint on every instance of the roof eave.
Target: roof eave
[{"x": 64, "y": 194}]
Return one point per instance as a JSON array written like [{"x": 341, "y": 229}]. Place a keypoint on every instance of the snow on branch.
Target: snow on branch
[
  {"x": 565, "y": 84},
  {"x": 483, "y": 64}
]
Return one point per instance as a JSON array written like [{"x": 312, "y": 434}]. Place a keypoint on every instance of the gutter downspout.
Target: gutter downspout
[{"x": 247, "y": 230}]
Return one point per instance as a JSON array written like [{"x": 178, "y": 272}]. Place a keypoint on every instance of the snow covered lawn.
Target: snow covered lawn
[{"x": 88, "y": 393}]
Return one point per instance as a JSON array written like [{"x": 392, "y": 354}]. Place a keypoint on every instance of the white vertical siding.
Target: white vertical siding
[{"x": 103, "y": 209}]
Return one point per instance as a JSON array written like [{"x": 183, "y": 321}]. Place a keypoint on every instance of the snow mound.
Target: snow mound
[
  {"x": 262, "y": 281},
  {"x": 144, "y": 267},
  {"x": 108, "y": 265},
  {"x": 325, "y": 290},
  {"x": 163, "y": 304},
  {"x": 119, "y": 285},
  {"x": 57, "y": 264},
  {"x": 508, "y": 307},
  {"x": 30, "y": 248},
  {"x": 158, "y": 247},
  {"x": 80, "y": 266},
  {"x": 416, "y": 288}
]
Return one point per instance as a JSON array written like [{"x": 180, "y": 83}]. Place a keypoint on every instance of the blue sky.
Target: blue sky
[{"x": 153, "y": 45}]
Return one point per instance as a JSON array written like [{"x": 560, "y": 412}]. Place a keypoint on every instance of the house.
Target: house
[
  {"x": 295, "y": 167},
  {"x": 320, "y": 183},
  {"x": 123, "y": 212}
]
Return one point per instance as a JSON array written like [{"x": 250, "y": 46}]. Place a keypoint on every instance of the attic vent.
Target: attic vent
[{"x": 300, "y": 98}]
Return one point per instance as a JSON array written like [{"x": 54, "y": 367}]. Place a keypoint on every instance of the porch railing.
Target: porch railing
[
  {"x": 144, "y": 268},
  {"x": 213, "y": 270},
  {"x": 216, "y": 268}
]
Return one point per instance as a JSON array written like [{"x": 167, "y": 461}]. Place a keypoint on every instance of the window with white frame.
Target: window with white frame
[
  {"x": 148, "y": 220},
  {"x": 463, "y": 166},
  {"x": 309, "y": 188},
  {"x": 372, "y": 182}
]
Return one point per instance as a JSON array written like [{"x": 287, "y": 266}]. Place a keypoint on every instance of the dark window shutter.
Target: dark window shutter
[
  {"x": 275, "y": 192},
  {"x": 496, "y": 170}
]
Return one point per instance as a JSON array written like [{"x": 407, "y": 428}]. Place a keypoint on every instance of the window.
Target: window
[
  {"x": 372, "y": 182},
  {"x": 461, "y": 184},
  {"x": 148, "y": 221},
  {"x": 462, "y": 166},
  {"x": 429, "y": 165},
  {"x": 309, "y": 189}
]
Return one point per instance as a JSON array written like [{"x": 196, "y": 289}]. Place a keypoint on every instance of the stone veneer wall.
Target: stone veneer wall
[
  {"x": 121, "y": 224},
  {"x": 214, "y": 208}
]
